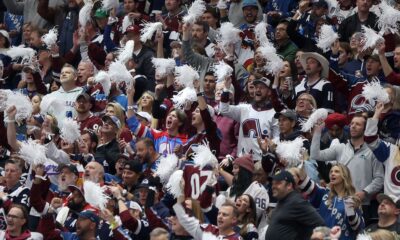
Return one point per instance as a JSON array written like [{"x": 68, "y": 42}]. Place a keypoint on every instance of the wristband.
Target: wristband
[
  {"x": 200, "y": 94},
  {"x": 9, "y": 120},
  {"x": 41, "y": 177},
  {"x": 124, "y": 193},
  {"x": 131, "y": 107}
]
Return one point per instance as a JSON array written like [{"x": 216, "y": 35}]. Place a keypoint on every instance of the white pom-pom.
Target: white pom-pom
[
  {"x": 370, "y": 38},
  {"x": 274, "y": 62},
  {"x": 374, "y": 92},
  {"x": 110, "y": 4},
  {"x": 184, "y": 96},
  {"x": 195, "y": 11},
  {"x": 149, "y": 28},
  {"x": 291, "y": 151},
  {"x": 389, "y": 18},
  {"x": 222, "y": 71},
  {"x": 174, "y": 184},
  {"x": 104, "y": 79},
  {"x": 185, "y": 75},
  {"x": 50, "y": 38},
  {"x": 125, "y": 53},
  {"x": 84, "y": 14},
  {"x": 70, "y": 130},
  {"x": 166, "y": 167},
  {"x": 229, "y": 34},
  {"x": 126, "y": 22},
  {"x": 3, "y": 99},
  {"x": 50, "y": 104},
  {"x": 94, "y": 195},
  {"x": 164, "y": 66},
  {"x": 222, "y": 4},
  {"x": 363, "y": 237},
  {"x": 118, "y": 73},
  {"x": 260, "y": 32},
  {"x": 317, "y": 116},
  {"x": 16, "y": 52},
  {"x": 326, "y": 37},
  {"x": 333, "y": 6},
  {"x": 209, "y": 236},
  {"x": 32, "y": 152},
  {"x": 22, "y": 103},
  {"x": 203, "y": 156}
]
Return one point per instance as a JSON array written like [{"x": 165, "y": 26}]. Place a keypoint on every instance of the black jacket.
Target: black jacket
[
  {"x": 144, "y": 66},
  {"x": 107, "y": 155},
  {"x": 293, "y": 219},
  {"x": 352, "y": 24}
]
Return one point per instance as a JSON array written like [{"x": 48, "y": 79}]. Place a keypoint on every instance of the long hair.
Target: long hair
[
  {"x": 243, "y": 181},
  {"x": 139, "y": 102},
  {"x": 249, "y": 217},
  {"x": 118, "y": 111},
  {"x": 349, "y": 189}
]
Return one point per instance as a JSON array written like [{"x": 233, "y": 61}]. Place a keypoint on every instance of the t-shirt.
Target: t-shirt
[{"x": 395, "y": 227}]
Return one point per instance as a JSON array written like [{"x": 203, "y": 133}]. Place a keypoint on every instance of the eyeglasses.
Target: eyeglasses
[{"x": 10, "y": 216}]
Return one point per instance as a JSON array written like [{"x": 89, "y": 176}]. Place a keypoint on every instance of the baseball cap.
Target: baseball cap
[
  {"x": 145, "y": 115},
  {"x": 74, "y": 187},
  {"x": 71, "y": 167},
  {"x": 284, "y": 176},
  {"x": 133, "y": 205},
  {"x": 321, "y": 3},
  {"x": 263, "y": 80},
  {"x": 290, "y": 114},
  {"x": 374, "y": 57},
  {"x": 395, "y": 200},
  {"x": 249, "y": 3},
  {"x": 133, "y": 29},
  {"x": 114, "y": 119},
  {"x": 133, "y": 166},
  {"x": 86, "y": 96},
  {"x": 144, "y": 184},
  {"x": 5, "y": 34},
  {"x": 90, "y": 215},
  {"x": 100, "y": 13}
]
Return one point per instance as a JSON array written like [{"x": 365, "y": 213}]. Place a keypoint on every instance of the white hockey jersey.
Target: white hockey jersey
[{"x": 253, "y": 123}]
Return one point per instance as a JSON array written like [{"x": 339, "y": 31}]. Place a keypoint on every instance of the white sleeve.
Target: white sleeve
[
  {"x": 190, "y": 224},
  {"x": 329, "y": 154},
  {"x": 57, "y": 155},
  {"x": 230, "y": 111}
]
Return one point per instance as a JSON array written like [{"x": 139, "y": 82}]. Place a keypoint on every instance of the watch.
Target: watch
[
  {"x": 131, "y": 107},
  {"x": 124, "y": 193}
]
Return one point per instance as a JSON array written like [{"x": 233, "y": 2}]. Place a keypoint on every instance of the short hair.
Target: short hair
[
  {"x": 149, "y": 143},
  {"x": 92, "y": 135},
  {"x": 209, "y": 73},
  {"x": 157, "y": 232},
  {"x": 67, "y": 65},
  {"x": 206, "y": 27},
  {"x": 235, "y": 212},
  {"x": 324, "y": 230},
  {"x": 25, "y": 214},
  {"x": 16, "y": 162}
]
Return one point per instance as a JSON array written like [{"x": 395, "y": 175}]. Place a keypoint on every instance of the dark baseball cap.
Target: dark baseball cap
[
  {"x": 92, "y": 216},
  {"x": 114, "y": 119},
  {"x": 71, "y": 167},
  {"x": 144, "y": 184},
  {"x": 74, "y": 187},
  {"x": 133, "y": 166},
  {"x": 86, "y": 96},
  {"x": 290, "y": 114},
  {"x": 393, "y": 199},
  {"x": 133, "y": 29},
  {"x": 284, "y": 176},
  {"x": 321, "y": 3},
  {"x": 264, "y": 81}
]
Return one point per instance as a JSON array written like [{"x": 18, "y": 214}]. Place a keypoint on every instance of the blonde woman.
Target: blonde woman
[
  {"x": 381, "y": 234},
  {"x": 337, "y": 205},
  {"x": 145, "y": 104},
  {"x": 115, "y": 109}
]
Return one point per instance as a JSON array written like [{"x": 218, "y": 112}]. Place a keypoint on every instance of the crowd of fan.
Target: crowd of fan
[{"x": 229, "y": 160}]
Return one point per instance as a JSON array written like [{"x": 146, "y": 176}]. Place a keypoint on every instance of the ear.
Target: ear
[
  {"x": 293, "y": 123},
  {"x": 397, "y": 212}
]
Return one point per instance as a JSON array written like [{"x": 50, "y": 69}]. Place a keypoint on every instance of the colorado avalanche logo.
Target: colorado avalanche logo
[
  {"x": 395, "y": 176},
  {"x": 360, "y": 104},
  {"x": 251, "y": 129}
]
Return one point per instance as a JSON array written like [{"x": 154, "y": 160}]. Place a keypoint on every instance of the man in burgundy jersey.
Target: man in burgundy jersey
[{"x": 87, "y": 120}]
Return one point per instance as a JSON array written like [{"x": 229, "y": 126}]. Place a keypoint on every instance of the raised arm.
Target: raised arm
[
  {"x": 15, "y": 7},
  {"x": 190, "y": 224},
  {"x": 329, "y": 154},
  {"x": 11, "y": 129}
]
